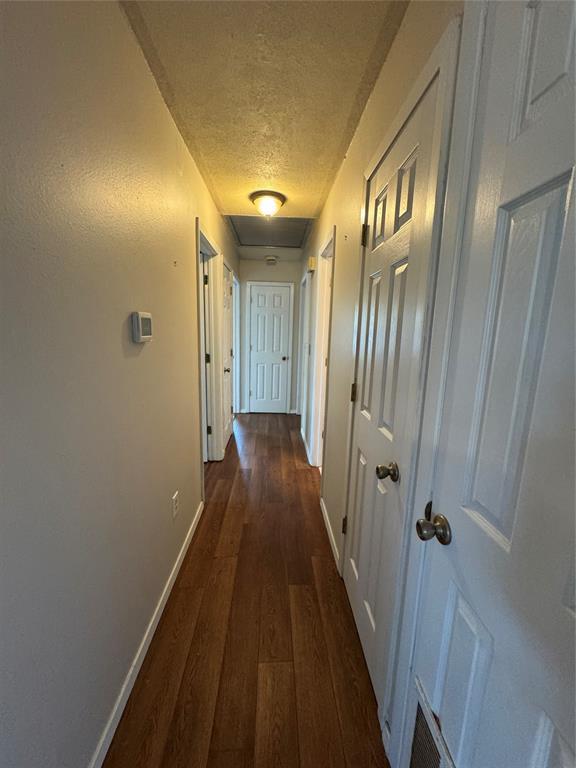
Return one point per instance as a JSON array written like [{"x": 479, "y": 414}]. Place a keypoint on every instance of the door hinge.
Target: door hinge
[
  {"x": 326, "y": 362},
  {"x": 345, "y": 524},
  {"x": 207, "y": 357},
  {"x": 209, "y": 430},
  {"x": 230, "y": 290},
  {"x": 322, "y": 434},
  {"x": 353, "y": 389},
  {"x": 232, "y": 409},
  {"x": 364, "y": 234},
  {"x": 231, "y": 353},
  {"x": 205, "y": 279}
]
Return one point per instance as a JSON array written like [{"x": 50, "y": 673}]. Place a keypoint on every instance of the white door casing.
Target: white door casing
[
  {"x": 321, "y": 350},
  {"x": 203, "y": 315},
  {"x": 236, "y": 368},
  {"x": 210, "y": 316},
  {"x": 494, "y": 655},
  {"x": 227, "y": 355},
  {"x": 301, "y": 342},
  {"x": 270, "y": 343},
  {"x": 307, "y": 375},
  {"x": 404, "y": 194}
]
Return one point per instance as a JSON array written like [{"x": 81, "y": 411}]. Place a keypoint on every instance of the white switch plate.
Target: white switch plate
[{"x": 175, "y": 505}]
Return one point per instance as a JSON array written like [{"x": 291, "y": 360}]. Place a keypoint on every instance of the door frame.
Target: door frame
[
  {"x": 304, "y": 353},
  {"x": 272, "y": 283},
  {"x": 236, "y": 343},
  {"x": 440, "y": 66},
  {"x": 225, "y": 265},
  {"x": 209, "y": 298},
  {"x": 321, "y": 327}
]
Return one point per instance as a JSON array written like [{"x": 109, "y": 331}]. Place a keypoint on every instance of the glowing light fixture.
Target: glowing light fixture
[{"x": 267, "y": 202}]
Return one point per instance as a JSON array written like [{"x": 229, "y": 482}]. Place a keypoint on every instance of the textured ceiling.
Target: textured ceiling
[{"x": 266, "y": 94}]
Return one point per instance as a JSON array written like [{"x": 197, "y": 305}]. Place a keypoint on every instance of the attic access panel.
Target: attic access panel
[{"x": 280, "y": 232}]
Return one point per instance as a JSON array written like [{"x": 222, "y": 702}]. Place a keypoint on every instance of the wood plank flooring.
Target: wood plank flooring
[{"x": 256, "y": 662}]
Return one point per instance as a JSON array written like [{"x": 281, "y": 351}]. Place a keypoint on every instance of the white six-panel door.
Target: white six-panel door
[
  {"x": 494, "y": 660},
  {"x": 401, "y": 217},
  {"x": 270, "y": 318}
]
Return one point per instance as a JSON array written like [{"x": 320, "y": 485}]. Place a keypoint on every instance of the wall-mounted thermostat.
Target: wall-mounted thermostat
[{"x": 141, "y": 327}]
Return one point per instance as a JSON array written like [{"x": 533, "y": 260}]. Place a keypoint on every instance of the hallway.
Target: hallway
[{"x": 256, "y": 660}]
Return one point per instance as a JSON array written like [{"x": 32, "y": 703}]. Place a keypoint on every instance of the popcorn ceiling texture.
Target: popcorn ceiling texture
[{"x": 266, "y": 94}]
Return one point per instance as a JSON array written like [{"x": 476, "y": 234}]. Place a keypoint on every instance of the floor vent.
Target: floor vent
[{"x": 425, "y": 753}]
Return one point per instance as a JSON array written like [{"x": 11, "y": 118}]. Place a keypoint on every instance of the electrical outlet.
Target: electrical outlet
[{"x": 175, "y": 505}]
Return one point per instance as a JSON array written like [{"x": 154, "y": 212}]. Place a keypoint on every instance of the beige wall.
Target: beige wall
[
  {"x": 282, "y": 272},
  {"x": 100, "y": 198},
  {"x": 421, "y": 29}
]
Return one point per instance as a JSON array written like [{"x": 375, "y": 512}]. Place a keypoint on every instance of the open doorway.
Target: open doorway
[
  {"x": 236, "y": 369},
  {"x": 217, "y": 332},
  {"x": 325, "y": 280},
  {"x": 303, "y": 315},
  {"x": 227, "y": 353},
  {"x": 305, "y": 357},
  {"x": 206, "y": 255},
  {"x": 316, "y": 311}
]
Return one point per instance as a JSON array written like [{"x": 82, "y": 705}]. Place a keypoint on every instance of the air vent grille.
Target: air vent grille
[{"x": 425, "y": 753}]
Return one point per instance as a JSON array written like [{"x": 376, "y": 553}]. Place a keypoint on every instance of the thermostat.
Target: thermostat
[{"x": 141, "y": 327}]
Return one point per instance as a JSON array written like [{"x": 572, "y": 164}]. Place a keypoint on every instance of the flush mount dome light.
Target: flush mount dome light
[{"x": 267, "y": 202}]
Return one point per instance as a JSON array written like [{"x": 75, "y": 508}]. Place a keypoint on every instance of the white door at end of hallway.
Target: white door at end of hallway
[
  {"x": 494, "y": 675},
  {"x": 270, "y": 333},
  {"x": 227, "y": 355}
]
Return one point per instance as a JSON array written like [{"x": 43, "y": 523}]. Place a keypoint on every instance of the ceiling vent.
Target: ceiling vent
[{"x": 271, "y": 261}]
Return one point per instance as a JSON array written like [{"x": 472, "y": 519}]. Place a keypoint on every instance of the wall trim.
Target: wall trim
[
  {"x": 120, "y": 703},
  {"x": 331, "y": 536},
  {"x": 303, "y": 436}
]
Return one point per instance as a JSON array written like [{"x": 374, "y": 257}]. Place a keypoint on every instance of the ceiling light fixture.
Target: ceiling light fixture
[{"x": 267, "y": 202}]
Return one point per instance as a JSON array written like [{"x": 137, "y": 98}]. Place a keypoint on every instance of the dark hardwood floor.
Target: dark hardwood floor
[{"x": 256, "y": 662}]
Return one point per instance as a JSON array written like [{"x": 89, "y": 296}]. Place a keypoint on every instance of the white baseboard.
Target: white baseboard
[
  {"x": 331, "y": 537},
  {"x": 118, "y": 708},
  {"x": 294, "y": 410},
  {"x": 303, "y": 436}
]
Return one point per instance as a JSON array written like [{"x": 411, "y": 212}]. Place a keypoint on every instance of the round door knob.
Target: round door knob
[
  {"x": 438, "y": 527},
  {"x": 284, "y": 357},
  {"x": 388, "y": 470}
]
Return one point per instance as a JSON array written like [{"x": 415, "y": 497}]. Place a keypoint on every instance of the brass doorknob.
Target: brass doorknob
[
  {"x": 438, "y": 527},
  {"x": 388, "y": 470}
]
